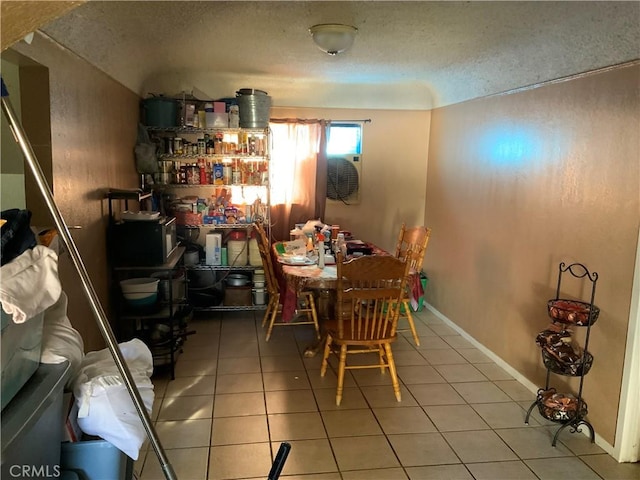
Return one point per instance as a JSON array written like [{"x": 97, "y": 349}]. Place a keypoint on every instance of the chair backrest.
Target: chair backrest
[
  {"x": 265, "y": 254},
  {"x": 370, "y": 290},
  {"x": 414, "y": 241}
]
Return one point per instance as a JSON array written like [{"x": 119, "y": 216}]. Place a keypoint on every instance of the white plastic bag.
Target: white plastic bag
[{"x": 105, "y": 407}]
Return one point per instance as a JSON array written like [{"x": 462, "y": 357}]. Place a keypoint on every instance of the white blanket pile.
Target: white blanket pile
[{"x": 30, "y": 286}]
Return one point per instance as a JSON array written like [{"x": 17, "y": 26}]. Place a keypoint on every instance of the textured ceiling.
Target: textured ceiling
[{"x": 407, "y": 55}]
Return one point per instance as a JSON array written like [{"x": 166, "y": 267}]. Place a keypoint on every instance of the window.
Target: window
[{"x": 344, "y": 138}]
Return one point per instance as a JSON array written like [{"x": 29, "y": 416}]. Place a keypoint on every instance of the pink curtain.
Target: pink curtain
[{"x": 298, "y": 172}]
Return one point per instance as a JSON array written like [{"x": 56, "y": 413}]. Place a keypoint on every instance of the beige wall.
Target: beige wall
[
  {"x": 394, "y": 168},
  {"x": 93, "y": 132},
  {"x": 518, "y": 183}
]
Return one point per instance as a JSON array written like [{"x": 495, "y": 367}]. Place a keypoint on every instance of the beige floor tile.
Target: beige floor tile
[
  {"x": 186, "y": 386},
  {"x": 437, "y": 472},
  {"x": 480, "y": 392},
  {"x": 205, "y": 351},
  {"x": 404, "y": 420},
  {"x": 609, "y": 469},
  {"x": 229, "y": 354},
  {"x": 422, "y": 449},
  {"x": 501, "y": 471},
  {"x": 493, "y": 372},
  {"x": 236, "y": 430},
  {"x": 457, "y": 341},
  {"x": 160, "y": 383},
  {"x": 408, "y": 357},
  {"x": 383, "y": 396},
  {"x": 460, "y": 373},
  {"x": 230, "y": 350},
  {"x": 481, "y": 445},
  {"x": 313, "y": 363},
  {"x": 516, "y": 390},
  {"x": 239, "y": 383},
  {"x": 184, "y": 433},
  {"x": 432, "y": 343},
  {"x": 290, "y": 401},
  {"x": 309, "y": 456},
  {"x": 535, "y": 442},
  {"x": 444, "y": 330},
  {"x": 238, "y": 404},
  {"x": 352, "y": 398},
  {"x": 350, "y": 423},
  {"x": 455, "y": 418},
  {"x": 444, "y": 356},
  {"x": 372, "y": 376},
  {"x": 282, "y": 363},
  {"x": 296, "y": 426},
  {"x": 380, "y": 474},
  {"x": 566, "y": 468},
  {"x": 233, "y": 365},
  {"x": 313, "y": 476},
  {"x": 414, "y": 374},
  {"x": 155, "y": 409},
  {"x": 187, "y": 463},
  {"x": 227, "y": 462},
  {"x": 579, "y": 443},
  {"x": 297, "y": 380},
  {"x": 503, "y": 415},
  {"x": 194, "y": 368},
  {"x": 435, "y": 394},
  {"x": 360, "y": 453},
  {"x": 473, "y": 355},
  {"x": 330, "y": 379},
  {"x": 186, "y": 408}
]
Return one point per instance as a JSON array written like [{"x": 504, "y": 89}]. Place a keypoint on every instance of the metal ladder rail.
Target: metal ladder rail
[{"x": 96, "y": 307}]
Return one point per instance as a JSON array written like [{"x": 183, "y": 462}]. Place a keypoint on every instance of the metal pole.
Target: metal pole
[{"x": 94, "y": 302}]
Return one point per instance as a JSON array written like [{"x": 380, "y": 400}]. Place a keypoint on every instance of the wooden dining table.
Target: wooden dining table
[{"x": 323, "y": 282}]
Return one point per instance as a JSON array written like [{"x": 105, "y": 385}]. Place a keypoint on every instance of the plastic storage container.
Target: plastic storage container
[
  {"x": 20, "y": 353},
  {"x": 237, "y": 252},
  {"x": 96, "y": 460}
]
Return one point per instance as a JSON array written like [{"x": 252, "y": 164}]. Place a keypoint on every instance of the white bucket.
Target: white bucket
[
  {"x": 237, "y": 252},
  {"x": 259, "y": 296},
  {"x": 255, "y": 259},
  {"x": 258, "y": 284}
]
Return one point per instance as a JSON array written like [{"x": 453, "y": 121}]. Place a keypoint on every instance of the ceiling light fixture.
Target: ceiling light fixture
[{"x": 333, "y": 38}]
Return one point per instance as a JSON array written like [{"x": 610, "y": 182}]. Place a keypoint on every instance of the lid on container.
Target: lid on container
[
  {"x": 237, "y": 235},
  {"x": 250, "y": 91}
]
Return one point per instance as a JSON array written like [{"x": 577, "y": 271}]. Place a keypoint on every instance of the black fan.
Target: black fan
[{"x": 342, "y": 178}]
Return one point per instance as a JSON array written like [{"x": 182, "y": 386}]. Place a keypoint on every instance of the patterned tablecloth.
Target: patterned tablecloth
[{"x": 294, "y": 279}]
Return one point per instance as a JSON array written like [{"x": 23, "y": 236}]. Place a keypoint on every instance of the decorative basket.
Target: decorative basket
[
  {"x": 572, "y": 311},
  {"x": 573, "y": 369},
  {"x": 560, "y": 407}
]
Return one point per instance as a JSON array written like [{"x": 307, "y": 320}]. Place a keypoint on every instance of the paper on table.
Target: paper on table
[{"x": 295, "y": 247}]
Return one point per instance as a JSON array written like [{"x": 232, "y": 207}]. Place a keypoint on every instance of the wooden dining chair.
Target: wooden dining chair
[
  {"x": 411, "y": 246},
  {"x": 305, "y": 302},
  {"x": 370, "y": 289}
]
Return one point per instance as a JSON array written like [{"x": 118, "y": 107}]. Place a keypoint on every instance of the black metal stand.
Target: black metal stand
[{"x": 575, "y": 421}]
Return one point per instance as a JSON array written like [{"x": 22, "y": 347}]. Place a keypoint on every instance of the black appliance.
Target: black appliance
[{"x": 143, "y": 242}]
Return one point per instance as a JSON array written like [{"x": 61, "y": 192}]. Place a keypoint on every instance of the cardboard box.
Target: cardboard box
[
  {"x": 213, "y": 244},
  {"x": 237, "y": 297},
  {"x": 219, "y": 107},
  {"x": 70, "y": 431}
]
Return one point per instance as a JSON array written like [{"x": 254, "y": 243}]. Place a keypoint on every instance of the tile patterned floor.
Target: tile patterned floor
[{"x": 235, "y": 398}]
